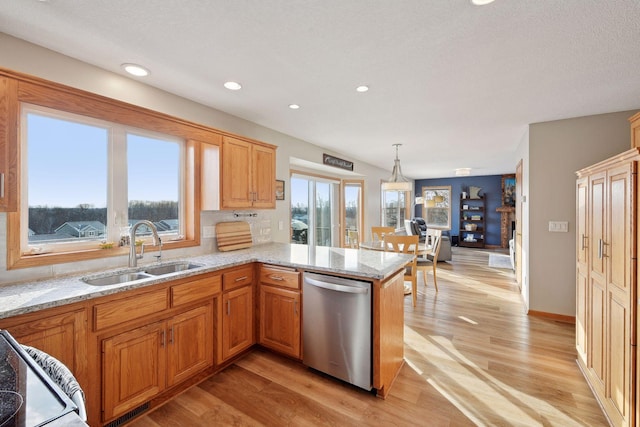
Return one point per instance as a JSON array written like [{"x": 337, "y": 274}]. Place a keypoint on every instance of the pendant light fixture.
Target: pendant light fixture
[{"x": 397, "y": 182}]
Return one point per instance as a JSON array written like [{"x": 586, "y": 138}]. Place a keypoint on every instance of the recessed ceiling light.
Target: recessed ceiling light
[
  {"x": 233, "y": 85},
  {"x": 481, "y": 2},
  {"x": 294, "y": 106},
  {"x": 362, "y": 88},
  {"x": 135, "y": 70},
  {"x": 463, "y": 171}
]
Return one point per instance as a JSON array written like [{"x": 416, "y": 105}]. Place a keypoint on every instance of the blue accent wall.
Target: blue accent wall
[{"x": 491, "y": 188}]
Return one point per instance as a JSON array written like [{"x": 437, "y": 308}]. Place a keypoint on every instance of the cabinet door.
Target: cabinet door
[
  {"x": 237, "y": 321},
  {"x": 597, "y": 280},
  {"x": 619, "y": 252},
  {"x": 190, "y": 343},
  {"x": 236, "y": 173},
  {"x": 280, "y": 319},
  {"x": 63, "y": 336},
  {"x": 582, "y": 272},
  {"x": 133, "y": 368},
  {"x": 263, "y": 177},
  {"x": 8, "y": 145}
]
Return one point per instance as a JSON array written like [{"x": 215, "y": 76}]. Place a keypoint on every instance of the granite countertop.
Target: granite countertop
[{"x": 26, "y": 297}]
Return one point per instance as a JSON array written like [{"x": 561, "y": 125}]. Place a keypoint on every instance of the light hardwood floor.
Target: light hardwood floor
[{"x": 473, "y": 357}]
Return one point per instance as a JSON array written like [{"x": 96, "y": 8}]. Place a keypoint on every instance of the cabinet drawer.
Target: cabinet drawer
[
  {"x": 280, "y": 277},
  {"x": 237, "y": 278},
  {"x": 122, "y": 310},
  {"x": 197, "y": 289}
]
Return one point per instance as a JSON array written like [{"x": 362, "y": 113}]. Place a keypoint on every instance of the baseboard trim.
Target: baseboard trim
[{"x": 553, "y": 316}]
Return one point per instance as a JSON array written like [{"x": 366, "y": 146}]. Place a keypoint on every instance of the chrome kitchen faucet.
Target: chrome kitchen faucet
[{"x": 133, "y": 257}]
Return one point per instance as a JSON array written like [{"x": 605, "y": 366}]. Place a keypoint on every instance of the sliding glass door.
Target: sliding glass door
[
  {"x": 353, "y": 211},
  {"x": 315, "y": 211}
]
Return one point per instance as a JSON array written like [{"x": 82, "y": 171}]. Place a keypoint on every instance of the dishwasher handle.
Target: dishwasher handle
[{"x": 335, "y": 286}]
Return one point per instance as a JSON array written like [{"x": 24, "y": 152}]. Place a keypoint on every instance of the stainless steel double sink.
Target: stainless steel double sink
[{"x": 153, "y": 271}]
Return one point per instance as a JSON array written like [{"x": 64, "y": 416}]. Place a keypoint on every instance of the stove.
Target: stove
[{"x": 28, "y": 397}]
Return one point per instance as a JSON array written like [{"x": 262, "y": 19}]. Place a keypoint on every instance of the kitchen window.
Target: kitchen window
[
  {"x": 89, "y": 181},
  {"x": 394, "y": 208},
  {"x": 107, "y": 163}
]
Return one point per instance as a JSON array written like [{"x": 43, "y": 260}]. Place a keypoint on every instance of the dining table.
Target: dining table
[{"x": 378, "y": 245}]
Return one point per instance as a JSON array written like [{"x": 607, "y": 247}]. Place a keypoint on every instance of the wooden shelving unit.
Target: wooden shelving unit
[{"x": 472, "y": 222}]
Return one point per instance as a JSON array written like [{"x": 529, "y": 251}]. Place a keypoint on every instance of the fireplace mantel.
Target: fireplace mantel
[{"x": 506, "y": 212}]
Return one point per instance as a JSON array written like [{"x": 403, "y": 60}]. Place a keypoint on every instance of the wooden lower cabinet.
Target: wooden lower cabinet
[
  {"x": 237, "y": 322},
  {"x": 280, "y": 310},
  {"x": 190, "y": 344},
  {"x": 280, "y": 320},
  {"x": 139, "y": 364},
  {"x": 63, "y": 336}
]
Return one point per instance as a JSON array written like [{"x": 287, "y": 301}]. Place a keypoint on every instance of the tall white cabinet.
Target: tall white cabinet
[{"x": 606, "y": 276}]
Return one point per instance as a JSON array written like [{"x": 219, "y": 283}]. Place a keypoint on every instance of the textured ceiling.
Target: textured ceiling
[{"x": 456, "y": 84}]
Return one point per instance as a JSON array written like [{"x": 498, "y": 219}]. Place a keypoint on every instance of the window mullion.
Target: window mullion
[{"x": 118, "y": 191}]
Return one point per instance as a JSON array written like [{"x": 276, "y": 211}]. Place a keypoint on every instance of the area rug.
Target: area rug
[{"x": 500, "y": 261}]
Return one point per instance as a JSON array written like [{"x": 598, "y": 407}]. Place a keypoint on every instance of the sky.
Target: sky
[{"x": 68, "y": 161}]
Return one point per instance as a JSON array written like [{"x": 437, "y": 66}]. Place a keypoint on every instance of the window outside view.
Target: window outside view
[
  {"x": 314, "y": 211},
  {"x": 394, "y": 208},
  {"x": 69, "y": 179}
]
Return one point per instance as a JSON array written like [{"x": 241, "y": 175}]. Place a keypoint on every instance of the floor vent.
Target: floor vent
[{"x": 128, "y": 416}]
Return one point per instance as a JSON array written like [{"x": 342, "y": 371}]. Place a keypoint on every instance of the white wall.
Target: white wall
[
  {"x": 522, "y": 153},
  {"x": 16, "y": 54},
  {"x": 557, "y": 150}
]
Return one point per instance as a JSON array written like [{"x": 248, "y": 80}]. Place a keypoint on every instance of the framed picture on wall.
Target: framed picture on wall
[
  {"x": 509, "y": 190},
  {"x": 279, "y": 189}
]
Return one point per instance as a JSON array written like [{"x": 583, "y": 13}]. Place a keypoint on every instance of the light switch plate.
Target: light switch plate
[{"x": 559, "y": 226}]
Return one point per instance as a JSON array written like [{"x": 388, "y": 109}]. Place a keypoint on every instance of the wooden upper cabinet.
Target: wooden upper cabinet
[
  {"x": 263, "y": 176},
  {"x": 210, "y": 175},
  {"x": 248, "y": 174},
  {"x": 8, "y": 145}
]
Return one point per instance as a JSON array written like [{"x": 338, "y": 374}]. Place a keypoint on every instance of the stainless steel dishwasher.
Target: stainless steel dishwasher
[{"x": 336, "y": 327}]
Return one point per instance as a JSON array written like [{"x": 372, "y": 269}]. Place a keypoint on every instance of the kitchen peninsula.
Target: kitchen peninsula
[{"x": 97, "y": 322}]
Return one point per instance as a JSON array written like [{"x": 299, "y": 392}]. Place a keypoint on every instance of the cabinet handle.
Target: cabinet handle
[
  {"x": 600, "y": 248},
  {"x": 2, "y": 185},
  {"x": 295, "y": 307},
  {"x": 171, "y": 335},
  {"x": 162, "y": 338},
  {"x": 583, "y": 242},
  {"x": 240, "y": 279},
  {"x": 228, "y": 308},
  {"x": 274, "y": 277}
]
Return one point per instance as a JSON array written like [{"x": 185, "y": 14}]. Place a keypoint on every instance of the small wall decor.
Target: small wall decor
[
  {"x": 509, "y": 190},
  {"x": 279, "y": 189},
  {"x": 474, "y": 192}
]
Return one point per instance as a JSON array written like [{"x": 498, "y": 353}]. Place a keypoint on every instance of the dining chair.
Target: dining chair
[
  {"x": 406, "y": 245},
  {"x": 354, "y": 240},
  {"x": 430, "y": 258},
  {"x": 378, "y": 233}
]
